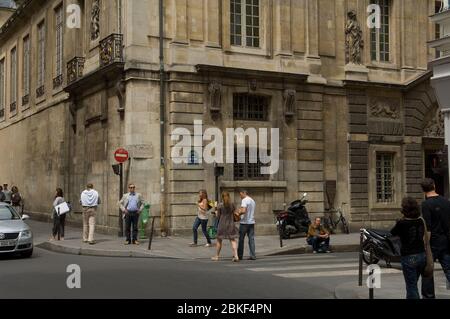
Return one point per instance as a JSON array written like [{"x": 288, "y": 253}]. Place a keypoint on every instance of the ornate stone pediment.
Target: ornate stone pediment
[
  {"x": 435, "y": 127},
  {"x": 384, "y": 107}
]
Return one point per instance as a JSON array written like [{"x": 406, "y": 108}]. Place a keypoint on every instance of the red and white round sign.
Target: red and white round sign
[{"x": 121, "y": 155}]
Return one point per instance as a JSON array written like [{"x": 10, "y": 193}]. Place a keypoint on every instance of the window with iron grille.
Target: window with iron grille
[
  {"x": 244, "y": 15},
  {"x": 13, "y": 80},
  {"x": 380, "y": 38},
  {"x": 41, "y": 55},
  {"x": 59, "y": 27},
  {"x": 26, "y": 66},
  {"x": 250, "y": 107},
  {"x": 248, "y": 168},
  {"x": 2, "y": 88},
  {"x": 385, "y": 177}
]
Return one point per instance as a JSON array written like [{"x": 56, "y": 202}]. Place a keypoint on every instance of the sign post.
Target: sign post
[{"x": 120, "y": 155}]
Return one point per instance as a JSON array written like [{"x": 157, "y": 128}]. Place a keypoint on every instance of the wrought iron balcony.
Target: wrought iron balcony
[
  {"x": 75, "y": 69},
  {"x": 2, "y": 113},
  {"x": 111, "y": 49},
  {"x": 25, "y": 99}
]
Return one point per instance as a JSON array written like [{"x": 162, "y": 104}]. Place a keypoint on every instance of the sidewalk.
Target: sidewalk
[
  {"x": 175, "y": 247},
  {"x": 392, "y": 287}
]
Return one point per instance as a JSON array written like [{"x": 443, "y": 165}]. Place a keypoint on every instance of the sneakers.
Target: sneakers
[
  {"x": 314, "y": 251},
  {"x": 127, "y": 243},
  {"x": 192, "y": 245},
  {"x": 208, "y": 245},
  {"x": 136, "y": 242},
  {"x": 215, "y": 258}
]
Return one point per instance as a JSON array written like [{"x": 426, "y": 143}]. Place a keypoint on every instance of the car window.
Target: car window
[{"x": 8, "y": 214}]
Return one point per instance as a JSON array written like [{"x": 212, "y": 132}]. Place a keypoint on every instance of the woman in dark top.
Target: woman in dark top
[
  {"x": 411, "y": 230},
  {"x": 59, "y": 221},
  {"x": 226, "y": 229}
]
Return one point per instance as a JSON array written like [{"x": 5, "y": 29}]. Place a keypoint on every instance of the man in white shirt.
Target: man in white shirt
[
  {"x": 89, "y": 200},
  {"x": 247, "y": 225}
]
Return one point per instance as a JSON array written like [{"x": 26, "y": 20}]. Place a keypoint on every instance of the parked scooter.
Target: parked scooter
[
  {"x": 294, "y": 220},
  {"x": 381, "y": 245}
]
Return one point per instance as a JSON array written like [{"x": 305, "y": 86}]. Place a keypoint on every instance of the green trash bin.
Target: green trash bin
[{"x": 143, "y": 220}]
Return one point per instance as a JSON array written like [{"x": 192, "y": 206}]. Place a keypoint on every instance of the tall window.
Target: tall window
[
  {"x": 385, "y": 177},
  {"x": 41, "y": 60},
  {"x": 2, "y": 88},
  {"x": 59, "y": 27},
  {"x": 244, "y": 23},
  {"x": 380, "y": 38},
  {"x": 26, "y": 70},
  {"x": 250, "y": 107},
  {"x": 13, "y": 81}
]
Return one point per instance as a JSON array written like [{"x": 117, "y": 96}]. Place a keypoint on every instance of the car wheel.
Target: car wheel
[{"x": 27, "y": 254}]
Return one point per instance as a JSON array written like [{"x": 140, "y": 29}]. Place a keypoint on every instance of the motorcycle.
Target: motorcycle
[
  {"x": 294, "y": 220},
  {"x": 380, "y": 245}
]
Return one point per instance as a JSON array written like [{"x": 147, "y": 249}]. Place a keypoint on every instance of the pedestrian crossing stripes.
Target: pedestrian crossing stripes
[
  {"x": 306, "y": 267},
  {"x": 333, "y": 273}
]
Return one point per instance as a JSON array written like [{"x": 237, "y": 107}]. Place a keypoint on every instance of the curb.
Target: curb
[{"x": 137, "y": 254}]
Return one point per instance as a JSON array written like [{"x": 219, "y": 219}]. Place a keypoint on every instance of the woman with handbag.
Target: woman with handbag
[
  {"x": 226, "y": 228},
  {"x": 413, "y": 236},
  {"x": 202, "y": 218},
  {"x": 59, "y": 221}
]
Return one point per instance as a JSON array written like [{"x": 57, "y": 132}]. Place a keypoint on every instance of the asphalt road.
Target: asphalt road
[{"x": 284, "y": 277}]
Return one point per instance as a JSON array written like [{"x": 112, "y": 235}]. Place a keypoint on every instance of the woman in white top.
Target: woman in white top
[
  {"x": 59, "y": 221},
  {"x": 202, "y": 218}
]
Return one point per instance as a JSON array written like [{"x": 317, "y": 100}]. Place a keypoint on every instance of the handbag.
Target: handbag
[
  {"x": 429, "y": 268},
  {"x": 236, "y": 216}
]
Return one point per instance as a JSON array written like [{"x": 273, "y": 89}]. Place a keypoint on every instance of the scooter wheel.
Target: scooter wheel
[{"x": 367, "y": 259}]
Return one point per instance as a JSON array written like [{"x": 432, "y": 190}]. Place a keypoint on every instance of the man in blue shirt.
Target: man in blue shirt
[{"x": 131, "y": 205}]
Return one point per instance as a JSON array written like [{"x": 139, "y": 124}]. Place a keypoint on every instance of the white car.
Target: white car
[{"x": 15, "y": 235}]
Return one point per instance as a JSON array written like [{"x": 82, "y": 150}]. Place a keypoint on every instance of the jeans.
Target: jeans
[
  {"x": 428, "y": 283},
  {"x": 316, "y": 243},
  {"x": 132, "y": 218},
  {"x": 413, "y": 267},
  {"x": 59, "y": 222},
  {"x": 204, "y": 223},
  {"x": 89, "y": 223},
  {"x": 249, "y": 230}
]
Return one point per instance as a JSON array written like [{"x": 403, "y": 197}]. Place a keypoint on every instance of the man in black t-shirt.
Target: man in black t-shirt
[{"x": 436, "y": 212}]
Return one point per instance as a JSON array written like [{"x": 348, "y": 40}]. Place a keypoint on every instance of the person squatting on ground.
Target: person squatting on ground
[
  {"x": 201, "y": 219},
  {"x": 436, "y": 212},
  {"x": 131, "y": 205},
  {"x": 411, "y": 231},
  {"x": 59, "y": 221},
  {"x": 318, "y": 237},
  {"x": 247, "y": 225},
  {"x": 226, "y": 228},
  {"x": 90, "y": 200}
]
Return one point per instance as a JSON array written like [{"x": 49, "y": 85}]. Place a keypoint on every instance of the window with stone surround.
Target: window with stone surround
[
  {"x": 385, "y": 177},
  {"x": 2, "y": 88},
  {"x": 41, "y": 60},
  {"x": 380, "y": 38},
  {"x": 13, "y": 81},
  {"x": 26, "y": 70},
  {"x": 248, "y": 166},
  {"x": 59, "y": 27},
  {"x": 244, "y": 24},
  {"x": 250, "y": 107}
]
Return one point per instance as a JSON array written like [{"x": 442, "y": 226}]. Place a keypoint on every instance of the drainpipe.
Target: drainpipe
[{"x": 162, "y": 108}]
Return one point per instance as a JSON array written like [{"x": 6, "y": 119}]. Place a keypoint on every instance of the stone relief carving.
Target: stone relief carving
[
  {"x": 354, "y": 42},
  {"x": 215, "y": 96},
  {"x": 385, "y": 108},
  {"x": 435, "y": 127},
  {"x": 252, "y": 85},
  {"x": 95, "y": 20},
  {"x": 289, "y": 103}
]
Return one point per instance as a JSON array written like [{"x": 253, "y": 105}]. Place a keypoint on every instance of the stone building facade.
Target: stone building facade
[{"x": 358, "y": 120}]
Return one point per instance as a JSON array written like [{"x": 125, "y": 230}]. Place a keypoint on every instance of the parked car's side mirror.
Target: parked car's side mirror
[{"x": 25, "y": 217}]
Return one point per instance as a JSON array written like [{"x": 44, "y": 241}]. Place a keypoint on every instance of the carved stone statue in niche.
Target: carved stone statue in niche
[
  {"x": 385, "y": 108},
  {"x": 95, "y": 20},
  {"x": 215, "y": 96},
  {"x": 289, "y": 103},
  {"x": 354, "y": 42},
  {"x": 435, "y": 127}
]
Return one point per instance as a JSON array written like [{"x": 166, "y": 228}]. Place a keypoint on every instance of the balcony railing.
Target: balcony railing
[
  {"x": 111, "y": 49},
  {"x": 25, "y": 99},
  {"x": 13, "y": 107},
  {"x": 75, "y": 69},
  {"x": 2, "y": 113},
  {"x": 40, "y": 91}
]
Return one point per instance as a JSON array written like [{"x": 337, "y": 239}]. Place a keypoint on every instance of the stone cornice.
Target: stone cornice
[{"x": 15, "y": 18}]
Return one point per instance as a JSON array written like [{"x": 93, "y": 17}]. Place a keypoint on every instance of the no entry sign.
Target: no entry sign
[{"x": 121, "y": 155}]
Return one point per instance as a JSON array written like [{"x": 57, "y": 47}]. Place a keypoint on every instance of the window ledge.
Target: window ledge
[{"x": 254, "y": 184}]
